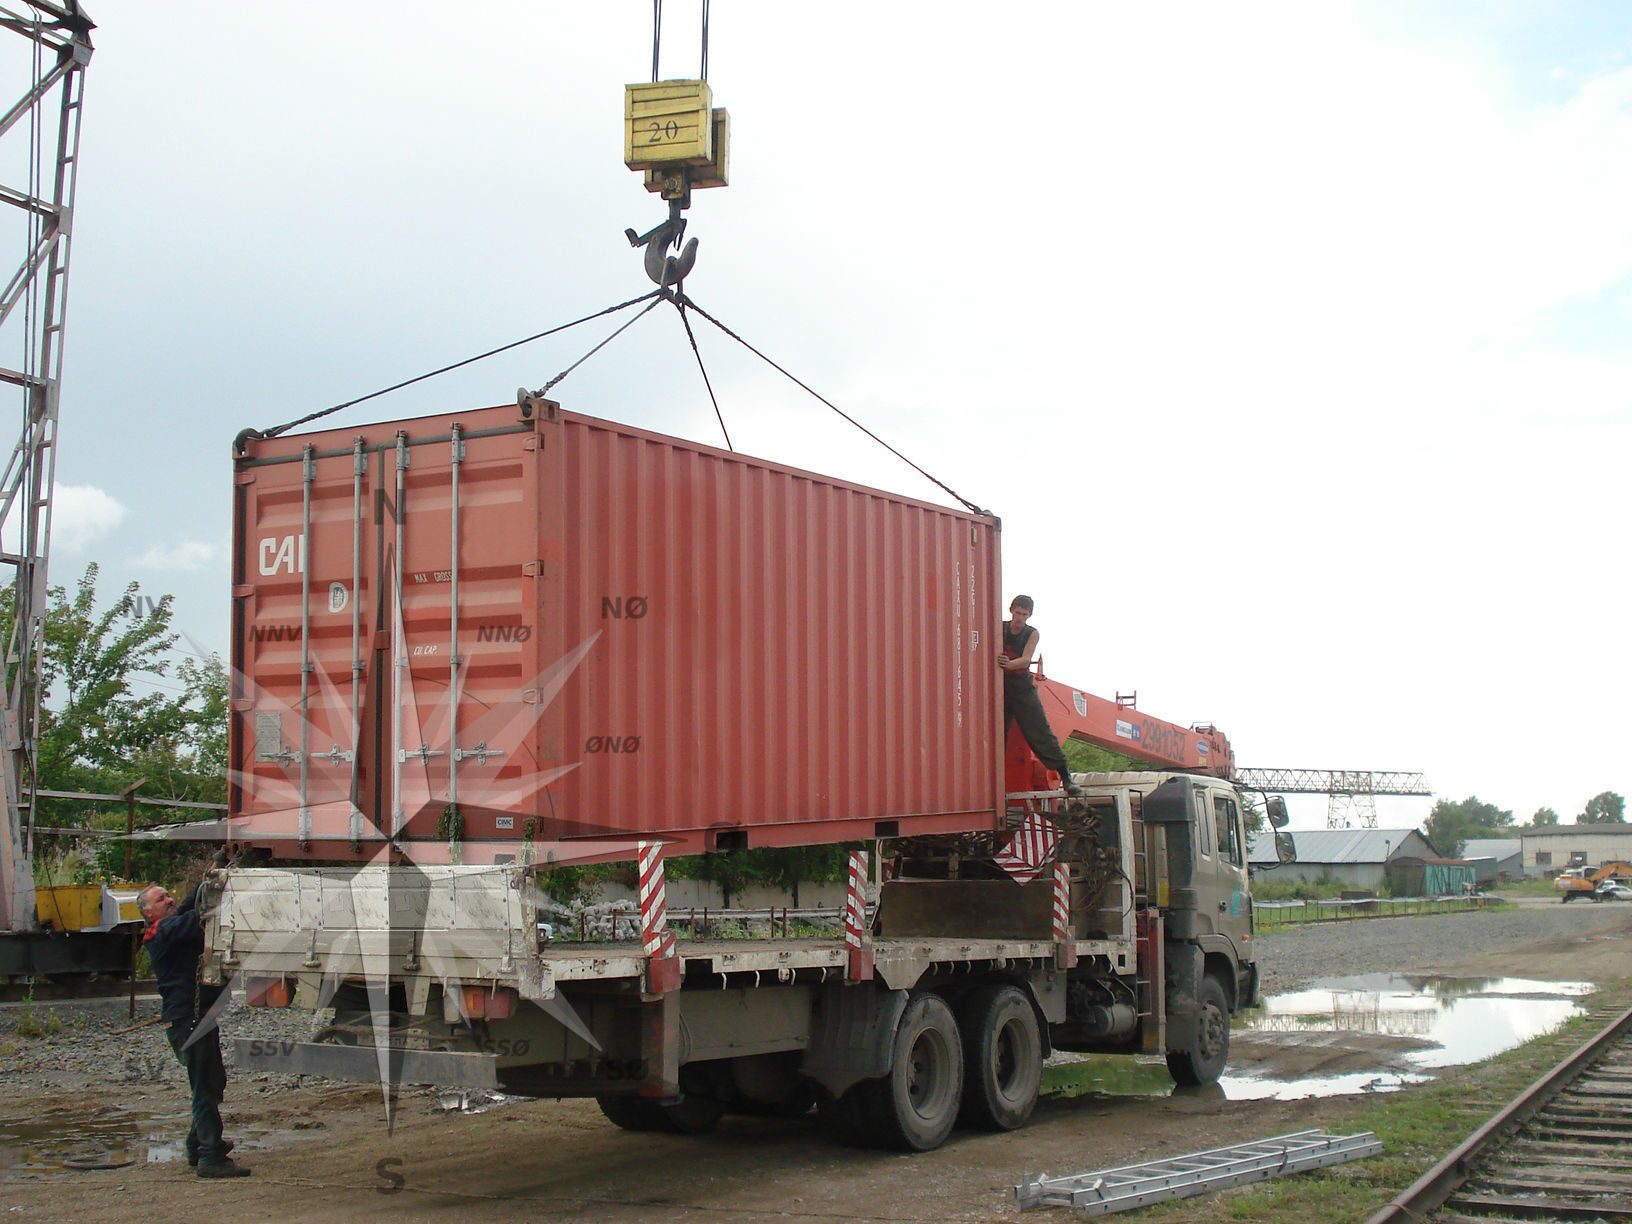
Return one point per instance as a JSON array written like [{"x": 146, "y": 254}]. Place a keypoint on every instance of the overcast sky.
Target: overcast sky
[{"x": 1289, "y": 341}]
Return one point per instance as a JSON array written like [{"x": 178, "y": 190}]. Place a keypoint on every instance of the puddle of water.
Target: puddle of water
[
  {"x": 92, "y": 1137},
  {"x": 470, "y": 1100},
  {"x": 1445, "y": 1022},
  {"x": 79, "y": 1139},
  {"x": 1451, "y": 1022}
]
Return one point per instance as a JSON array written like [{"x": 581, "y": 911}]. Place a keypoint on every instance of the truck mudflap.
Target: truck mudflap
[
  {"x": 444, "y": 1069},
  {"x": 1251, "y": 993}
]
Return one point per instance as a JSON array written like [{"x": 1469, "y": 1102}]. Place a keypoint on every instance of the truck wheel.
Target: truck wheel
[
  {"x": 1002, "y": 1059},
  {"x": 844, "y": 1118},
  {"x": 632, "y": 1113},
  {"x": 1206, "y": 1036},
  {"x": 690, "y": 1115},
  {"x": 796, "y": 1104},
  {"x": 912, "y": 1109}
]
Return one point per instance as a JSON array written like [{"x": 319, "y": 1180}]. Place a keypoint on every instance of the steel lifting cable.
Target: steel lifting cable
[
  {"x": 684, "y": 299},
  {"x": 657, "y": 39},
  {"x": 702, "y": 73},
  {"x": 657, "y": 34},
  {"x": 680, "y": 305},
  {"x": 650, "y": 306},
  {"x": 653, "y": 297}
]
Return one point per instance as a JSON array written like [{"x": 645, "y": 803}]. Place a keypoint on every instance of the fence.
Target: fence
[{"x": 1271, "y": 914}]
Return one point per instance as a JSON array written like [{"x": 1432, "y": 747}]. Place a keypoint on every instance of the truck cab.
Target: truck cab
[{"x": 1185, "y": 836}]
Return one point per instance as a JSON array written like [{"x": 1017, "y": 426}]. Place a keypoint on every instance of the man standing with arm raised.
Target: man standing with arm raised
[{"x": 175, "y": 944}]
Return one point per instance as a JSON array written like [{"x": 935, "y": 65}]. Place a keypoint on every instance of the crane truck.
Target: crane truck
[{"x": 974, "y": 942}]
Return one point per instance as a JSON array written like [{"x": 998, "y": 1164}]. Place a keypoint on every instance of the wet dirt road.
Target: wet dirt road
[{"x": 561, "y": 1160}]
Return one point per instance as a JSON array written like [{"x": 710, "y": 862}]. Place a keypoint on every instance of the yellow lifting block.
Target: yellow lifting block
[
  {"x": 667, "y": 123},
  {"x": 715, "y": 174}
]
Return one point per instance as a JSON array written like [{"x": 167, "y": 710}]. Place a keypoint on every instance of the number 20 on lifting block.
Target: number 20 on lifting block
[{"x": 667, "y": 123}]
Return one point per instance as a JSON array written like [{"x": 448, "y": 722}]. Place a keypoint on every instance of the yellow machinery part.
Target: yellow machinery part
[{"x": 667, "y": 123}]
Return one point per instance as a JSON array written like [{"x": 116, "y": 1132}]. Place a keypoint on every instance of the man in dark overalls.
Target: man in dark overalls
[
  {"x": 175, "y": 944},
  {"x": 1020, "y": 700}
]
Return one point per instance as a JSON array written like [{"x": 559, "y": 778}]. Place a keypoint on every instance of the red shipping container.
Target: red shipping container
[{"x": 558, "y": 635}]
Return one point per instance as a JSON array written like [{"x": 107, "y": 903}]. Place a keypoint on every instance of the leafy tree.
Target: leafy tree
[
  {"x": 1253, "y": 814},
  {"x": 1604, "y": 808},
  {"x": 98, "y": 731},
  {"x": 1544, "y": 817},
  {"x": 1090, "y": 758},
  {"x": 1449, "y": 825}
]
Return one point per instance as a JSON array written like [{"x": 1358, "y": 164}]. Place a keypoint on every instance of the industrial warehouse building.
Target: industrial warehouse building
[
  {"x": 1354, "y": 858},
  {"x": 1549, "y": 849},
  {"x": 1495, "y": 859}
]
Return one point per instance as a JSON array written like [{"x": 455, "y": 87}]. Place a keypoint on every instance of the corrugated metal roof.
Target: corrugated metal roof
[
  {"x": 1336, "y": 845},
  {"x": 1497, "y": 848}
]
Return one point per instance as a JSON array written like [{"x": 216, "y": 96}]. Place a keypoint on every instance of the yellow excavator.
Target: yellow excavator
[{"x": 1585, "y": 881}]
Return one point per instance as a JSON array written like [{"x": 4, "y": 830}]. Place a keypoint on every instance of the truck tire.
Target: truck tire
[
  {"x": 1002, "y": 1058},
  {"x": 1205, "y": 1036},
  {"x": 690, "y": 1115},
  {"x": 796, "y": 1104},
  {"x": 844, "y": 1118},
  {"x": 632, "y": 1113},
  {"x": 913, "y": 1108}
]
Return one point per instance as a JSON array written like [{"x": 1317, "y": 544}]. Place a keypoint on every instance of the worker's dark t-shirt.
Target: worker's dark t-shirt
[
  {"x": 175, "y": 947},
  {"x": 1014, "y": 646}
]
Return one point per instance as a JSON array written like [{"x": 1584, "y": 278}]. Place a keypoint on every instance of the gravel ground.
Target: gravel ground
[
  {"x": 1294, "y": 957},
  {"x": 85, "y": 1050}
]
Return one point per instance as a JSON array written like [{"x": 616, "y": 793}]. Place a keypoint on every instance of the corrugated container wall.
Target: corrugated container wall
[{"x": 565, "y": 629}]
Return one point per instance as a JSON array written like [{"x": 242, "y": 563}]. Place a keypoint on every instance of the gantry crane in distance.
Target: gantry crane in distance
[
  {"x": 1202, "y": 748},
  {"x": 33, "y": 306},
  {"x": 1345, "y": 789}
]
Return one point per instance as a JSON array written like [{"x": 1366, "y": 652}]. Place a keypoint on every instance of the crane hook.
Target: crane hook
[{"x": 665, "y": 269}]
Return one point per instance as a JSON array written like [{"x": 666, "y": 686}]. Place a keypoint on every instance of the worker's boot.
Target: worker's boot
[
  {"x": 192, "y": 1153},
  {"x": 225, "y": 1167}
]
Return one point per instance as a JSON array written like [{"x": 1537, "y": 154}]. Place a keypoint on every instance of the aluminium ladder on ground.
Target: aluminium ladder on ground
[{"x": 1112, "y": 1190}]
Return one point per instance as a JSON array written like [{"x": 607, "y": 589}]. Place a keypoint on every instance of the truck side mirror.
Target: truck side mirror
[
  {"x": 1286, "y": 850},
  {"x": 1276, "y": 808}
]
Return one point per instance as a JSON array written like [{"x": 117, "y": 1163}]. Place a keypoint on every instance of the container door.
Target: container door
[
  {"x": 303, "y": 613},
  {"x": 456, "y": 665},
  {"x": 385, "y": 644}
]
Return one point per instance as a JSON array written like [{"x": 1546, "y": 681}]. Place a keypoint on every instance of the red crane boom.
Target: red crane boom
[{"x": 1074, "y": 714}]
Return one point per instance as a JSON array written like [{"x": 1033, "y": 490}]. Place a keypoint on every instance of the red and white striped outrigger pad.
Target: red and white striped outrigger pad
[
  {"x": 1063, "y": 934},
  {"x": 1030, "y": 848},
  {"x": 857, "y": 935},
  {"x": 655, "y": 937}
]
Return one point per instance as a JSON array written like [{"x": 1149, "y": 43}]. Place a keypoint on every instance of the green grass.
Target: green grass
[
  {"x": 36, "y": 1026},
  {"x": 1527, "y": 888},
  {"x": 1418, "y": 1126}
]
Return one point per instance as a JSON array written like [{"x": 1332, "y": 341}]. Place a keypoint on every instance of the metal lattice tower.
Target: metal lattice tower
[
  {"x": 1343, "y": 807},
  {"x": 39, "y": 167},
  {"x": 1351, "y": 793}
]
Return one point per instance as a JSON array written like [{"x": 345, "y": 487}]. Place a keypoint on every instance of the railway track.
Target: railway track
[{"x": 1562, "y": 1150}]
